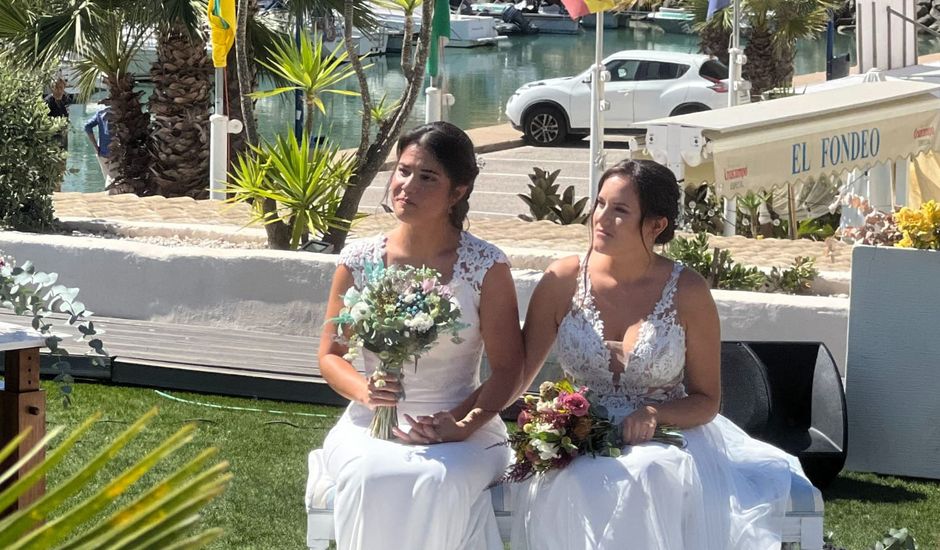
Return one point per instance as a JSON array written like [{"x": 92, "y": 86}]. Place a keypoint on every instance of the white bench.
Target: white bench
[{"x": 802, "y": 527}]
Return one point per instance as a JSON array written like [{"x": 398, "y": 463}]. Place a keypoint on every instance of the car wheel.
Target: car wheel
[
  {"x": 545, "y": 126},
  {"x": 689, "y": 109}
]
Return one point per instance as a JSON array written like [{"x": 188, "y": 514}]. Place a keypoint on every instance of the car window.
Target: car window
[
  {"x": 713, "y": 70},
  {"x": 660, "y": 70},
  {"x": 623, "y": 70}
]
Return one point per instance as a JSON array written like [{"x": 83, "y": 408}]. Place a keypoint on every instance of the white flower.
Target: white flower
[
  {"x": 546, "y": 450},
  {"x": 359, "y": 312},
  {"x": 351, "y": 297},
  {"x": 545, "y": 406},
  {"x": 421, "y": 322},
  {"x": 408, "y": 298}
]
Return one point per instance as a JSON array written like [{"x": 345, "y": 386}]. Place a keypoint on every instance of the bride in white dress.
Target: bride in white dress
[
  {"x": 643, "y": 334},
  {"x": 426, "y": 490}
]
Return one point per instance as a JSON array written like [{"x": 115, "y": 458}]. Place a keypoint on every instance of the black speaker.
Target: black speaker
[
  {"x": 745, "y": 390},
  {"x": 807, "y": 405}
]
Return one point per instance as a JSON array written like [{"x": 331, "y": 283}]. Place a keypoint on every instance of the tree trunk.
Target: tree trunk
[
  {"x": 179, "y": 105},
  {"x": 760, "y": 69},
  {"x": 278, "y": 233},
  {"x": 715, "y": 39},
  {"x": 238, "y": 143},
  {"x": 128, "y": 124},
  {"x": 371, "y": 155},
  {"x": 246, "y": 83}
]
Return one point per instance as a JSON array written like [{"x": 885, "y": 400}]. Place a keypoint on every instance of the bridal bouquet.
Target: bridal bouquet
[
  {"x": 398, "y": 315},
  {"x": 562, "y": 423}
]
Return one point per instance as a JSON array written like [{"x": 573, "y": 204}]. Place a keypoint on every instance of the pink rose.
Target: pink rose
[{"x": 575, "y": 402}]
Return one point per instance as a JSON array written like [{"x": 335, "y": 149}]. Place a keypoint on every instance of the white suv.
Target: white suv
[{"x": 643, "y": 85}]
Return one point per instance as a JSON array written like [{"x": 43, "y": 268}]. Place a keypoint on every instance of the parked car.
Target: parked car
[{"x": 643, "y": 85}]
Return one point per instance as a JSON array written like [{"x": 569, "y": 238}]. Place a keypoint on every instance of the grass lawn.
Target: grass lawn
[{"x": 263, "y": 507}]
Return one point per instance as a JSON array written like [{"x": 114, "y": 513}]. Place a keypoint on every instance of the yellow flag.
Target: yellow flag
[
  {"x": 595, "y": 6},
  {"x": 222, "y": 24}
]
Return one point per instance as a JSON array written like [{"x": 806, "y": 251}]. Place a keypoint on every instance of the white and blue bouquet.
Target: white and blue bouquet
[{"x": 398, "y": 314}]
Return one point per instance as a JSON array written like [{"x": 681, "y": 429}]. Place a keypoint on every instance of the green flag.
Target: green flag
[{"x": 440, "y": 33}]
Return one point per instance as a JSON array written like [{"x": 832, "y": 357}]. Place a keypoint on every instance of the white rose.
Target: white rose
[
  {"x": 359, "y": 312},
  {"x": 545, "y": 406},
  {"x": 546, "y": 449}
]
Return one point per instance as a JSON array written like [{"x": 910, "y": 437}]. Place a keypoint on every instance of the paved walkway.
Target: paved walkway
[{"x": 503, "y": 231}]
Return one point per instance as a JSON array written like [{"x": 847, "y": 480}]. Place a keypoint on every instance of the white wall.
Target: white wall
[{"x": 285, "y": 291}]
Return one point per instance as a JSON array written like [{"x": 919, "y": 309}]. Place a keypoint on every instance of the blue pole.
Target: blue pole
[{"x": 298, "y": 95}]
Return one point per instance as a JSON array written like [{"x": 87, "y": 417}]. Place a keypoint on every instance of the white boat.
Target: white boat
[
  {"x": 470, "y": 31},
  {"x": 466, "y": 31},
  {"x": 672, "y": 20}
]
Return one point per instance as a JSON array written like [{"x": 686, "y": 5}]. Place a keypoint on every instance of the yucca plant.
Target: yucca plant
[
  {"x": 163, "y": 516},
  {"x": 305, "y": 183},
  {"x": 308, "y": 69}
]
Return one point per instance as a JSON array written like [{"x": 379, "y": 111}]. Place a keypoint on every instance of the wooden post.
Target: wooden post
[
  {"x": 22, "y": 405},
  {"x": 791, "y": 211}
]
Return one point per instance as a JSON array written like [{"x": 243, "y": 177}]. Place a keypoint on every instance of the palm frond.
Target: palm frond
[
  {"x": 14, "y": 19},
  {"x": 162, "y": 517}
]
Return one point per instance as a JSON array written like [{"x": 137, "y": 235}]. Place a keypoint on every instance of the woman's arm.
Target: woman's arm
[
  {"x": 549, "y": 302},
  {"x": 338, "y": 372},
  {"x": 699, "y": 316}
]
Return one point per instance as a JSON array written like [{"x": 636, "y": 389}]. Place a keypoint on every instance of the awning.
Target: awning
[{"x": 768, "y": 144}]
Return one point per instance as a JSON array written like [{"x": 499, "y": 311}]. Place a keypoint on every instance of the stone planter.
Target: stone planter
[{"x": 893, "y": 363}]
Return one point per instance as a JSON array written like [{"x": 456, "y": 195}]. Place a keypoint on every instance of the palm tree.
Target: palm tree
[
  {"x": 715, "y": 33},
  {"x": 774, "y": 28},
  {"x": 179, "y": 104},
  {"x": 101, "y": 38}
]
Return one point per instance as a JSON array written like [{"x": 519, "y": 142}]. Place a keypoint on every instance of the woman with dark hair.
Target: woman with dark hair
[
  {"x": 643, "y": 333},
  {"x": 427, "y": 489}
]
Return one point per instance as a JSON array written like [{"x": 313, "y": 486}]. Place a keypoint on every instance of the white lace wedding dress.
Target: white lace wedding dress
[
  {"x": 390, "y": 495},
  {"x": 724, "y": 491}
]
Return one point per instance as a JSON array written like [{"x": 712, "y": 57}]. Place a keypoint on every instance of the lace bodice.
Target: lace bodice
[
  {"x": 652, "y": 372},
  {"x": 449, "y": 372}
]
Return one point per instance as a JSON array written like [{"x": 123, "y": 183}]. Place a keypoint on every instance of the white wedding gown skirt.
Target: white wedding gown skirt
[
  {"x": 658, "y": 497},
  {"x": 390, "y": 495},
  {"x": 724, "y": 491},
  {"x": 394, "y": 496}
]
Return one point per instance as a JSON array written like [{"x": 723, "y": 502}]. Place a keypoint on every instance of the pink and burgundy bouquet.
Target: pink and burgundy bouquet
[{"x": 562, "y": 423}]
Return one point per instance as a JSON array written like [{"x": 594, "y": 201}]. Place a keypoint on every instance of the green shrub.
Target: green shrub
[
  {"x": 793, "y": 280},
  {"x": 724, "y": 273},
  {"x": 31, "y": 160}
]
